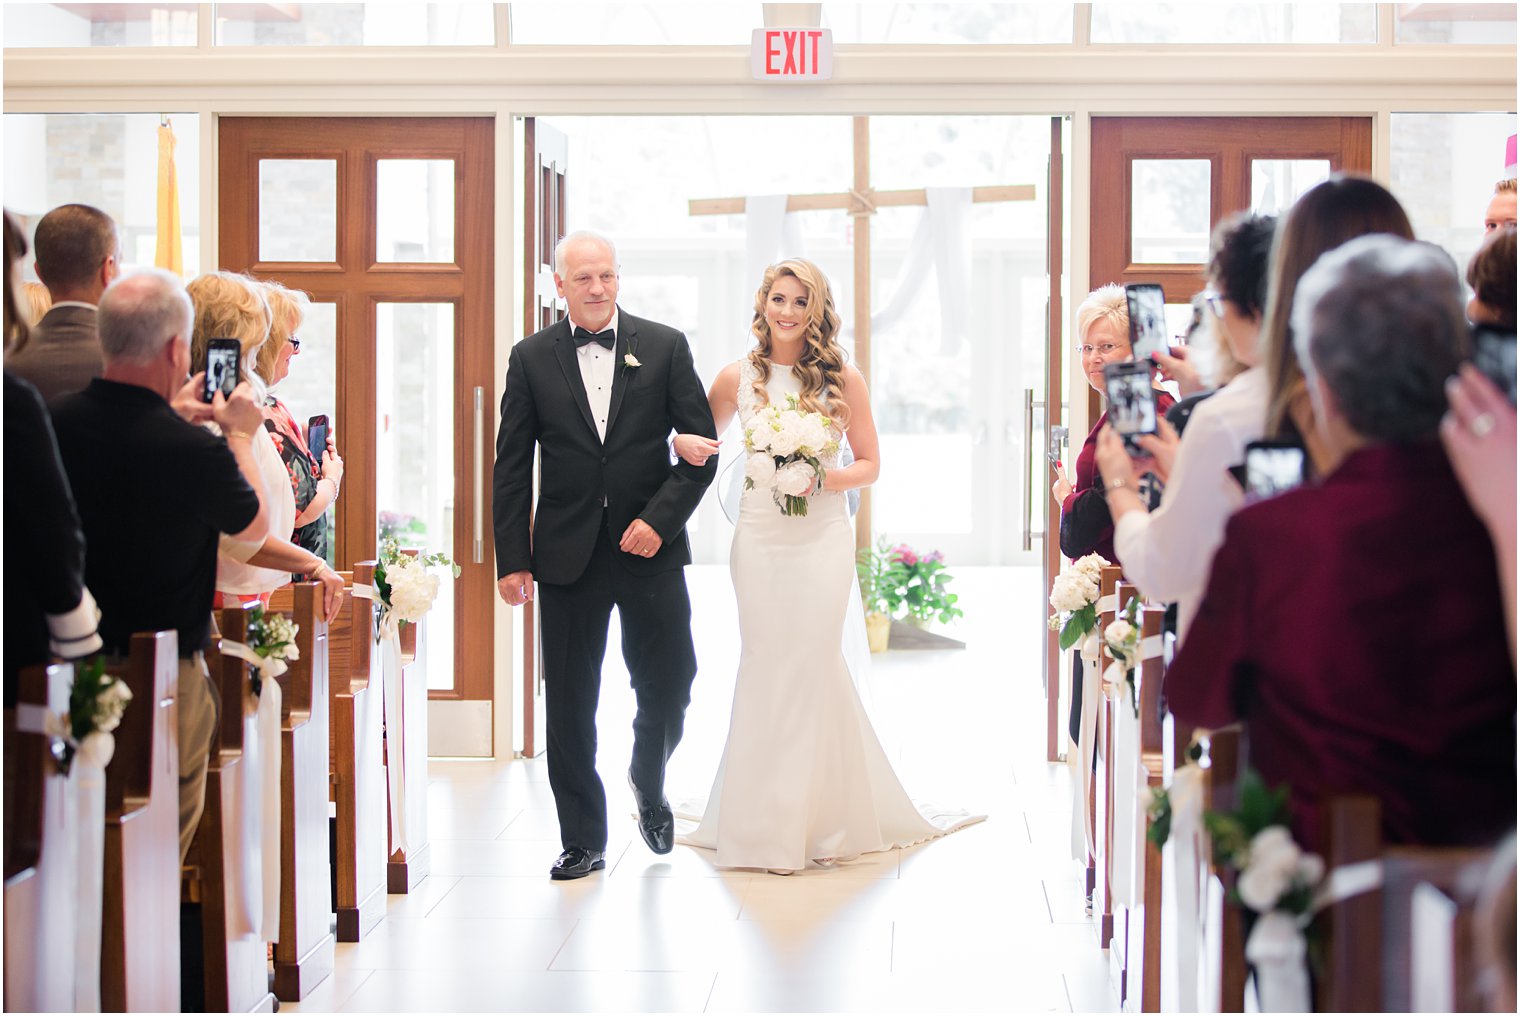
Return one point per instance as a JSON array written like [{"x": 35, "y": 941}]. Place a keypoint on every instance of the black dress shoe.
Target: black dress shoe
[
  {"x": 577, "y": 862},
  {"x": 656, "y": 823}
]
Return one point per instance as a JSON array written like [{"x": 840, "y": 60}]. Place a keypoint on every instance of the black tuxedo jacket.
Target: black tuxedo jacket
[{"x": 545, "y": 403}]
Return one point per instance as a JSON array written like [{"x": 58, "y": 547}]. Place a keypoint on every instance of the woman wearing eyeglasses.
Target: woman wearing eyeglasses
[{"x": 314, "y": 480}]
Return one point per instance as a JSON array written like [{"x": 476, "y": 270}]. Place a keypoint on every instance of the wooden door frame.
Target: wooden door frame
[{"x": 357, "y": 283}]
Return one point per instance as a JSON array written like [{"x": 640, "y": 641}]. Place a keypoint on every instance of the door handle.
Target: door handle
[
  {"x": 480, "y": 475},
  {"x": 1028, "y": 467}
]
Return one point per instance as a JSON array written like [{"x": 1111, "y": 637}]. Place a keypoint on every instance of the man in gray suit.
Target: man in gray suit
[{"x": 78, "y": 256}]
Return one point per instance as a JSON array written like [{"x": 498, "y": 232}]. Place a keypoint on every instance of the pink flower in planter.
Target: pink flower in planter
[
  {"x": 935, "y": 556},
  {"x": 905, "y": 554}
]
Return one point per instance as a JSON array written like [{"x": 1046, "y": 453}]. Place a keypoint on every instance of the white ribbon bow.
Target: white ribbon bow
[{"x": 267, "y": 666}]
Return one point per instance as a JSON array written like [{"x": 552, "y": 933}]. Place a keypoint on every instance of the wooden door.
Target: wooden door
[
  {"x": 387, "y": 224},
  {"x": 546, "y": 152}
]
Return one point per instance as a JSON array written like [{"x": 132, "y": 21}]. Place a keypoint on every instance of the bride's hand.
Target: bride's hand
[{"x": 695, "y": 449}]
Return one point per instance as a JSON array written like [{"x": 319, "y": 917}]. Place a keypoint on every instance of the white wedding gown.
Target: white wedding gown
[{"x": 803, "y": 776}]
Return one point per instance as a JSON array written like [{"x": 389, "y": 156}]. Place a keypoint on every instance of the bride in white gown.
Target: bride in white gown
[{"x": 803, "y": 777}]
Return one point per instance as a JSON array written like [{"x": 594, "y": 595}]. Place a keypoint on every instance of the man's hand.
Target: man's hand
[
  {"x": 240, "y": 413},
  {"x": 187, "y": 402},
  {"x": 516, "y": 588},
  {"x": 332, "y": 593},
  {"x": 640, "y": 540},
  {"x": 695, "y": 449}
]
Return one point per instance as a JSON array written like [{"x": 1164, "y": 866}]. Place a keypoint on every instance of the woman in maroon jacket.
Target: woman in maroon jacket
[
  {"x": 1086, "y": 525},
  {"x": 1357, "y": 625}
]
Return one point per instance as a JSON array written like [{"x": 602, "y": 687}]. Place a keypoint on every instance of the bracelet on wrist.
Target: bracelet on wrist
[
  {"x": 230, "y": 434},
  {"x": 317, "y": 569},
  {"x": 1117, "y": 483}
]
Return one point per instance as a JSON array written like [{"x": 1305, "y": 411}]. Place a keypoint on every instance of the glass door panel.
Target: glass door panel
[
  {"x": 311, "y": 387},
  {"x": 414, "y": 449}
]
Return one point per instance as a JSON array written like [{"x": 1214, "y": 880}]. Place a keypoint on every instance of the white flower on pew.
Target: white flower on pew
[
  {"x": 404, "y": 588},
  {"x": 1074, "y": 598},
  {"x": 96, "y": 704},
  {"x": 1122, "y": 637}
]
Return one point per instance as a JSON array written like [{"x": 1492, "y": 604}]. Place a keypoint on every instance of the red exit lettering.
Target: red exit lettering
[{"x": 797, "y": 52}]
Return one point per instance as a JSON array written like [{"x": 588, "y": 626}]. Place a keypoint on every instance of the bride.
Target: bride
[{"x": 803, "y": 777}]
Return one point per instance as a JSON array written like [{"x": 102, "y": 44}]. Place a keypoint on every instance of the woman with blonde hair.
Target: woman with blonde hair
[
  {"x": 316, "y": 474},
  {"x": 231, "y": 306},
  {"x": 803, "y": 777}
]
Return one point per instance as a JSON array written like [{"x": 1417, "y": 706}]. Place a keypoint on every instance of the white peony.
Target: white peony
[
  {"x": 1091, "y": 565},
  {"x": 794, "y": 478},
  {"x": 1067, "y": 594},
  {"x": 759, "y": 436},
  {"x": 760, "y": 469},
  {"x": 1260, "y": 887},
  {"x": 413, "y": 590},
  {"x": 815, "y": 434}
]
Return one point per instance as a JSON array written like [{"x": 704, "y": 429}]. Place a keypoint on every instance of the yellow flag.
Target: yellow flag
[{"x": 167, "y": 252}]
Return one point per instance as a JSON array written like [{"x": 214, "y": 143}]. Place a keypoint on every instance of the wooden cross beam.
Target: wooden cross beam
[{"x": 861, "y": 203}]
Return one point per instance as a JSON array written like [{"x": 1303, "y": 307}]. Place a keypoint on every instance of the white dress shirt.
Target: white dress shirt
[
  {"x": 1168, "y": 553},
  {"x": 597, "y": 365}
]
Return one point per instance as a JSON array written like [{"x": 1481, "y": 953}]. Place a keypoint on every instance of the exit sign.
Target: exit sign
[{"x": 791, "y": 54}]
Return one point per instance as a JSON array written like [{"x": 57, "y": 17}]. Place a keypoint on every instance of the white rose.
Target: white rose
[
  {"x": 1260, "y": 887},
  {"x": 815, "y": 434},
  {"x": 1273, "y": 850},
  {"x": 789, "y": 438},
  {"x": 1118, "y": 632},
  {"x": 760, "y": 469},
  {"x": 794, "y": 478},
  {"x": 759, "y": 436}
]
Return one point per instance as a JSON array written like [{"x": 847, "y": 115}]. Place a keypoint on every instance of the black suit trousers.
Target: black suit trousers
[{"x": 655, "y": 614}]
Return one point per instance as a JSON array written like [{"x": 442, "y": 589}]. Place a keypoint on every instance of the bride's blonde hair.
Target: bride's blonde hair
[{"x": 821, "y": 365}]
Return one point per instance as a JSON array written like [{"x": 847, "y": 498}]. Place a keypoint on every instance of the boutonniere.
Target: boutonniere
[{"x": 629, "y": 360}]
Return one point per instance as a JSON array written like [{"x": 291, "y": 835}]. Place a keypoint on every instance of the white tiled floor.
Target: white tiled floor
[{"x": 989, "y": 919}]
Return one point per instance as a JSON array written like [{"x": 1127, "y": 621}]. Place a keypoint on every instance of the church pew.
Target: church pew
[
  {"x": 407, "y": 867},
  {"x": 1370, "y": 940},
  {"x": 1153, "y": 769},
  {"x": 139, "y": 935},
  {"x": 1223, "y": 950},
  {"x": 357, "y": 762},
  {"x": 305, "y": 953},
  {"x": 1124, "y": 948},
  {"x": 227, "y": 864},
  {"x": 1101, "y": 798},
  {"x": 40, "y": 874}
]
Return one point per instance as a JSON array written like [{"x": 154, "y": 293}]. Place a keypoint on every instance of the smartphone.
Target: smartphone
[
  {"x": 1272, "y": 467},
  {"x": 221, "y": 367},
  {"x": 1147, "y": 319},
  {"x": 1494, "y": 355},
  {"x": 317, "y": 429},
  {"x": 1131, "y": 400}
]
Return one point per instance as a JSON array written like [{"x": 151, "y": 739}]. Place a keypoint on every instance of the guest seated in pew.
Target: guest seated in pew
[
  {"x": 233, "y": 306},
  {"x": 154, "y": 492},
  {"x": 49, "y": 613},
  {"x": 1167, "y": 552},
  {"x": 1356, "y": 625}
]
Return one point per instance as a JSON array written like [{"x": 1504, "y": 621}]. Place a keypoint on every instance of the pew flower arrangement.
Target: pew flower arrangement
[
  {"x": 96, "y": 704},
  {"x": 1074, "y": 596},
  {"x": 1122, "y": 637},
  {"x": 272, "y": 637},
  {"x": 1277, "y": 879},
  {"x": 404, "y": 588},
  {"x": 1157, "y": 802}
]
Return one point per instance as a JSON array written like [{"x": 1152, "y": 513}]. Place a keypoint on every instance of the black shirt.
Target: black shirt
[{"x": 153, "y": 493}]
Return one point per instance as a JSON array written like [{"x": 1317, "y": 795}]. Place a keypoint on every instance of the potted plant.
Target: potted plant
[
  {"x": 877, "y": 595},
  {"x": 917, "y": 582}
]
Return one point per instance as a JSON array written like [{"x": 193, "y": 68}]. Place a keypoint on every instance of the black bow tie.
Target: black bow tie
[{"x": 605, "y": 338}]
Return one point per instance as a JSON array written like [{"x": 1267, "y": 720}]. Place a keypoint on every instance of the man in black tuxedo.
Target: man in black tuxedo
[{"x": 600, "y": 392}]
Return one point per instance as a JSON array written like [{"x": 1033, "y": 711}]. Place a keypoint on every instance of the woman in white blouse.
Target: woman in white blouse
[{"x": 1167, "y": 552}]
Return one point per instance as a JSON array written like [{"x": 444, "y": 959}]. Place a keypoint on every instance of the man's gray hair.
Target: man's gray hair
[
  {"x": 1380, "y": 321},
  {"x": 140, "y": 312},
  {"x": 580, "y": 236}
]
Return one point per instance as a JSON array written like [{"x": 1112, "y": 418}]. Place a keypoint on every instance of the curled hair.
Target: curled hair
[
  {"x": 1242, "y": 249},
  {"x": 821, "y": 365},
  {"x": 229, "y": 306},
  {"x": 287, "y": 309},
  {"x": 1379, "y": 321},
  {"x": 1328, "y": 214},
  {"x": 1491, "y": 274}
]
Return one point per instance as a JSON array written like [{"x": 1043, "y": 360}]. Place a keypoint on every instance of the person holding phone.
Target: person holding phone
[
  {"x": 1167, "y": 552},
  {"x": 315, "y": 467},
  {"x": 1357, "y": 625}
]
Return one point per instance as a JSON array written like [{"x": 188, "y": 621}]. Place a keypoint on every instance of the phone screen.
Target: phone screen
[
  {"x": 316, "y": 436},
  {"x": 1272, "y": 468},
  {"x": 221, "y": 367},
  {"x": 1494, "y": 355},
  {"x": 1147, "y": 319},
  {"x": 1131, "y": 400}
]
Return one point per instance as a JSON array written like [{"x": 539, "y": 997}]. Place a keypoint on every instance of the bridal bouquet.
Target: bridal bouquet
[
  {"x": 404, "y": 587},
  {"x": 785, "y": 445},
  {"x": 1074, "y": 595}
]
